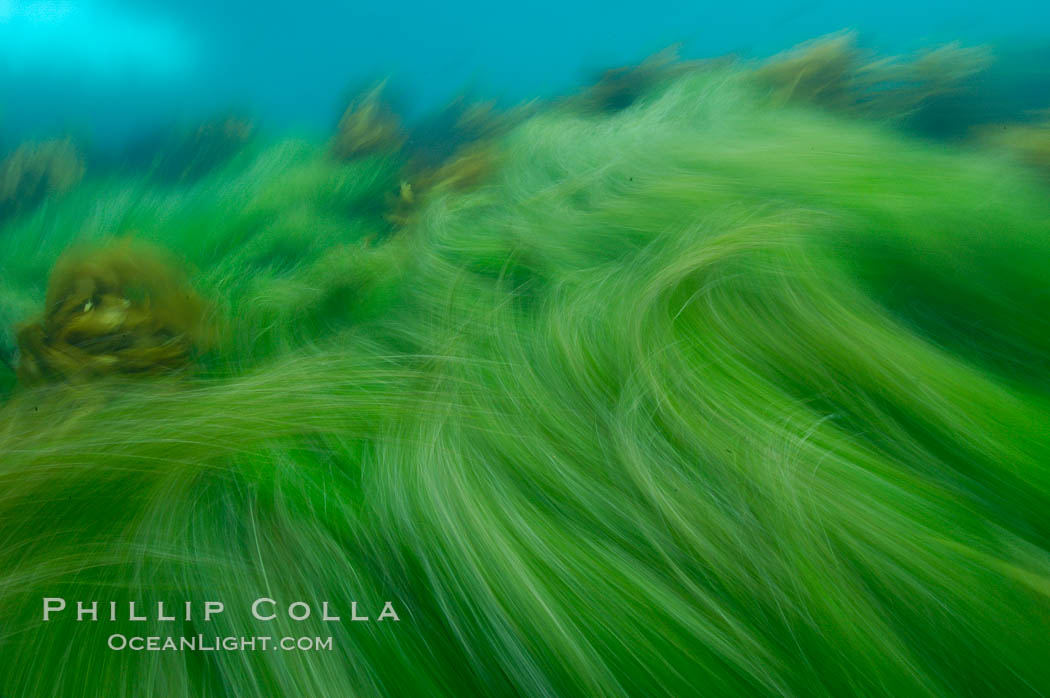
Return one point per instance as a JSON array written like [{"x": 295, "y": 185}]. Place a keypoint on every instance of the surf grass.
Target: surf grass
[{"x": 710, "y": 396}]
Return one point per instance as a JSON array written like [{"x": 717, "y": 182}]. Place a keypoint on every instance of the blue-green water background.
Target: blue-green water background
[{"x": 109, "y": 70}]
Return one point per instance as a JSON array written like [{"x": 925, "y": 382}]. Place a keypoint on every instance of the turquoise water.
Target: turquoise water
[{"x": 110, "y": 69}]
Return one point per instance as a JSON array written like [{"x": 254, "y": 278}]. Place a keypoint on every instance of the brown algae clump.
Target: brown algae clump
[
  {"x": 832, "y": 72},
  {"x": 467, "y": 169},
  {"x": 819, "y": 71},
  {"x": 368, "y": 125},
  {"x": 37, "y": 170},
  {"x": 1028, "y": 142},
  {"x": 123, "y": 309},
  {"x": 453, "y": 150}
]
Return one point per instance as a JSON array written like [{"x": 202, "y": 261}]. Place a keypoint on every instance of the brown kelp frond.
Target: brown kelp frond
[
  {"x": 368, "y": 125},
  {"x": 122, "y": 309},
  {"x": 900, "y": 86},
  {"x": 832, "y": 72},
  {"x": 819, "y": 71},
  {"x": 454, "y": 149},
  {"x": 36, "y": 170},
  {"x": 1028, "y": 142},
  {"x": 480, "y": 120},
  {"x": 467, "y": 169},
  {"x": 948, "y": 66}
]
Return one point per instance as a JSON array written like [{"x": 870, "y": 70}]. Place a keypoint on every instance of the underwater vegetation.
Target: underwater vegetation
[
  {"x": 712, "y": 394},
  {"x": 456, "y": 147},
  {"x": 368, "y": 125},
  {"x": 1013, "y": 88},
  {"x": 121, "y": 309},
  {"x": 467, "y": 168},
  {"x": 834, "y": 73},
  {"x": 181, "y": 155},
  {"x": 1029, "y": 142},
  {"x": 618, "y": 88},
  {"x": 461, "y": 125},
  {"x": 35, "y": 171}
]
